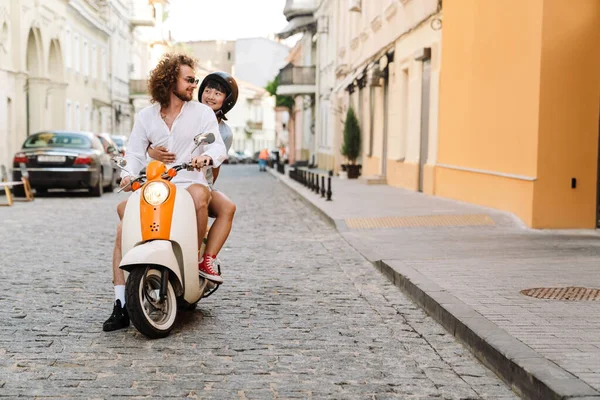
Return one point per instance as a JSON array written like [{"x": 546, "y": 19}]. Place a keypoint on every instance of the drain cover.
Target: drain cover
[{"x": 563, "y": 293}]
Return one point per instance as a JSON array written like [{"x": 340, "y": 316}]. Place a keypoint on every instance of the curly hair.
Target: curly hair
[{"x": 163, "y": 77}]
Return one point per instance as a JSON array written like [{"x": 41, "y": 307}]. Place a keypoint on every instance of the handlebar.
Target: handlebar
[{"x": 142, "y": 177}]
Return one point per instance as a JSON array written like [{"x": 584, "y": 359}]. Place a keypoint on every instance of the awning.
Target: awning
[{"x": 297, "y": 24}]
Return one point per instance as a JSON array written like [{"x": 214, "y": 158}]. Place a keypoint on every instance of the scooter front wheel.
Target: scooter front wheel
[{"x": 151, "y": 316}]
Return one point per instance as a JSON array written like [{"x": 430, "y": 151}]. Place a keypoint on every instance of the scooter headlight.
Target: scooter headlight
[{"x": 156, "y": 193}]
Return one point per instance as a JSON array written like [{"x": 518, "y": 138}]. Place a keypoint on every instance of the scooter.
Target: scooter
[{"x": 160, "y": 248}]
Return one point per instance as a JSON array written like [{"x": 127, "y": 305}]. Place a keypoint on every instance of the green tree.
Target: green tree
[
  {"x": 280, "y": 101},
  {"x": 351, "y": 146}
]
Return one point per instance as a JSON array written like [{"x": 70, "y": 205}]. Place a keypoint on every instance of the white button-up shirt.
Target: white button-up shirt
[{"x": 149, "y": 128}]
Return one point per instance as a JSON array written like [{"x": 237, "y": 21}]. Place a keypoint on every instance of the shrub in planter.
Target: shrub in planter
[{"x": 351, "y": 145}]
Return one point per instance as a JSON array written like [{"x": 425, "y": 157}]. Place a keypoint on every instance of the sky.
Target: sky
[{"x": 191, "y": 20}]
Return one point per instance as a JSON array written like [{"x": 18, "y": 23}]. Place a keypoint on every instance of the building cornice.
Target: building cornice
[{"x": 93, "y": 21}]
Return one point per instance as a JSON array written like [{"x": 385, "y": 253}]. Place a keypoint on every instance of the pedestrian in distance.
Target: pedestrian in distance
[{"x": 263, "y": 158}]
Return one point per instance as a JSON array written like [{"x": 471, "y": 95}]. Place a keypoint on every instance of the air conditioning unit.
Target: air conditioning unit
[{"x": 354, "y": 5}]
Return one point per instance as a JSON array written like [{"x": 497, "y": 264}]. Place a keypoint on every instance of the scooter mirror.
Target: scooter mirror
[
  {"x": 204, "y": 138},
  {"x": 120, "y": 161}
]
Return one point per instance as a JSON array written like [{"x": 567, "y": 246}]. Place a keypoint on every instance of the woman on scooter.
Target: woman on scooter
[{"x": 219, "y": 91}]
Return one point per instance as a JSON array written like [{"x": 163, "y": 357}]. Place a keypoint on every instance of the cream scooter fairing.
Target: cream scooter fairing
[{"x": 160, "y": 249}]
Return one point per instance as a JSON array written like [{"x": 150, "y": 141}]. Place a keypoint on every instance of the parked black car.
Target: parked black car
[{"x": 66, "y": 160}]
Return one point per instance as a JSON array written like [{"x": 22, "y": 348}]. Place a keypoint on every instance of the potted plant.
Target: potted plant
[{"x": 351, "y": 146}]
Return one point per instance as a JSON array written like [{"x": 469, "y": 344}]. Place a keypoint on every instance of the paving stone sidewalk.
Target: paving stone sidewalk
[{"x": 470, "y": 277}]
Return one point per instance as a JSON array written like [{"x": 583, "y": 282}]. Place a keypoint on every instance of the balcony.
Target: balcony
[
  {"x": 254, "y": 125},
  {"x": 299, "y": 8},
  {"x": 299, "y": 13},
  {"x": 295, "y": 80},
  {"x": 142, "y": 14},
  {"x": 138, "y": 86}
]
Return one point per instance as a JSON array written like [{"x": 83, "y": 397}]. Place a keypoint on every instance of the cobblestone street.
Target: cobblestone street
[{"x": 301, "y": 314}]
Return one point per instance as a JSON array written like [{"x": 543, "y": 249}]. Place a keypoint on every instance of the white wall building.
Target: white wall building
[
  {"x": 151, "y": 39},
  {"x": 258, "y": 60},
  {"x": 67, "y": 65},
  {"x": 298, "y": 80}
]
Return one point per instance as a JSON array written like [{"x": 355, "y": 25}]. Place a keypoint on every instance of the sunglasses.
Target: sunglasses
[{"x": 192, "y": 81}]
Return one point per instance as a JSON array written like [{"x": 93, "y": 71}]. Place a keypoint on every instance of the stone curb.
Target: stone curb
[{"x": 528, "y": 373}]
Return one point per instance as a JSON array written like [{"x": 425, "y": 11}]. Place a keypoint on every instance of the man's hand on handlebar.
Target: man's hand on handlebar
[
  {"x": 201, "y": 161},
  {"x": 125, "y": 184}
]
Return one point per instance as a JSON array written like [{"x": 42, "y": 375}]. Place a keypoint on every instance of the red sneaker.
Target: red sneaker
[{"x": 205, "y": 269}]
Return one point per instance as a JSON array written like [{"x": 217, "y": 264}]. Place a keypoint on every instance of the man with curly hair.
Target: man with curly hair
[{"x": 172, "y": 121}]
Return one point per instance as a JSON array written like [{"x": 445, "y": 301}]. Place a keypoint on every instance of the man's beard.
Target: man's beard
[{"x": 183, "y": 96}]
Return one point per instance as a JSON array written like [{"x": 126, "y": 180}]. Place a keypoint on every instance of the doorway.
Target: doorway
[{"x": 424, "y": 148}]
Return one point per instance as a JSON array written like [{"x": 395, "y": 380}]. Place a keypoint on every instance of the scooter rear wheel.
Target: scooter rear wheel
[{"x": 150, "y": 316}]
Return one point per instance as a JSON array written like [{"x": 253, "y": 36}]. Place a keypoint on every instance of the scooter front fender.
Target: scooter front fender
[{"x": 155, "y": 252}]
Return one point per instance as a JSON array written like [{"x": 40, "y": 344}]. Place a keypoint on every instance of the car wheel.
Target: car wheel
[
  {"x": 113, "y": 183},
  {"x": 97, "y": 190}
]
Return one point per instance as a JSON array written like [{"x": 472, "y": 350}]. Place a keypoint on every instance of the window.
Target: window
[
  {"x": 94, "y": 62},
  {"x": 69, "y": 116},
  {"x": 77, "y": 117},
  {"x": 103, "y": 69},
  {"x": 9, "y": 116},
  {"x": 86, "y": 58},
  {"x": 68, "y": 50},
  {"x": 404, "y": 95},
  {"x": 86, "y": 118},
  {"x": 76, "y": 58}
]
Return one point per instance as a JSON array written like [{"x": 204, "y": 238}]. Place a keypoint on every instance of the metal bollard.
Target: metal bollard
[
  {"x": 310, "y": 180},
  {"x": 317, "y": 187},
  {"x": 322, "y": 186},
  {"x": 329, "y": 188}
]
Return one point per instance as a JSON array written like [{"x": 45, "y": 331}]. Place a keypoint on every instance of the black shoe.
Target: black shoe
[{"x": 118, "y": 320}]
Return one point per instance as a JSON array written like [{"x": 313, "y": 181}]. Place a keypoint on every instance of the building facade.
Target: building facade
[
  {"x": 387, "y": 68},
  {"x": 212, "y": 55},
  {"x": 151, "y": 39},
  {"x": 519, "y": 109},
  {"x": 298, "y": 79},
  {"x": 65, "y": 65},
  {"x": 258, "y": 60}
]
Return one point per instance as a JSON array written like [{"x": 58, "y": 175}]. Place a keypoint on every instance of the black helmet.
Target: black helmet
[{"x": 230, "y": 86}]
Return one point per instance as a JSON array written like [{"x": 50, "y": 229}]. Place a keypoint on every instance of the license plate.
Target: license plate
[{"x": 55, "y": 159}]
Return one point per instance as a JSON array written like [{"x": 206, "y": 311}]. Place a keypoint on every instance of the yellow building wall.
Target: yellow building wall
[
  {"x": 489, "y": 87},
  {"x": 370, "y": 166},
  {"x": 568, "y": 122},
  {"x": 429, "y": 179},
  {"x": 403, "y": 174},
  {"x": 519, "y": 98},
  {"x": 325, "y": 161},
  {"x": 485, "y": 190}
]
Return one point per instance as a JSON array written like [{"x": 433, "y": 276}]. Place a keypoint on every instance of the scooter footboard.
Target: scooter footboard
[{"x": 158, "y": 253}]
